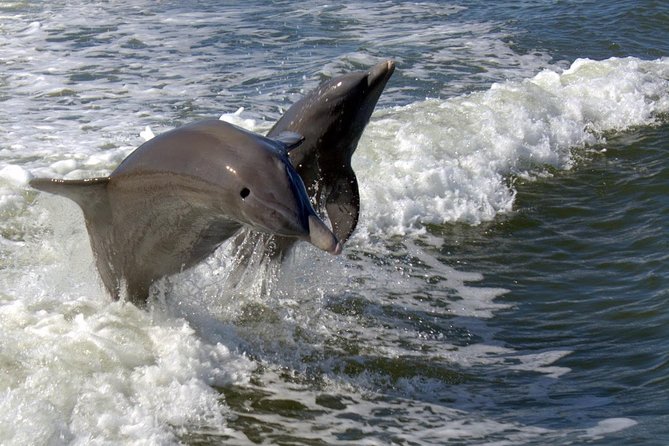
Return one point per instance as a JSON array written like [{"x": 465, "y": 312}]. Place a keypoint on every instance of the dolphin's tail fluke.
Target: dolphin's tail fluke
[
  {"x": 85, "y": 193},
  {"x": 91, "y": 196}
]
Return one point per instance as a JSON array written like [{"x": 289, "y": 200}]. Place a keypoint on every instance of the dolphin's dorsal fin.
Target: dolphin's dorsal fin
[
  {"x": 91, "y": 196},
  {"x": 289, "y": 139}
]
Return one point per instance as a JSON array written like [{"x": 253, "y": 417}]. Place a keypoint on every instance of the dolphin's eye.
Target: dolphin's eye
[{"x": 244, "y": 192}]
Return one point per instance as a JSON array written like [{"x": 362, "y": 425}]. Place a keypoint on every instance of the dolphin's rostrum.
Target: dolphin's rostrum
[{"x": 178, "y": 196}]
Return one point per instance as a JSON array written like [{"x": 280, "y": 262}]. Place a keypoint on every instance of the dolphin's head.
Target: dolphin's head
[
  {"x": 232, "y": 174},
  {"x": 337, "y": 111},
  {"x": 271, "y": 197},
  {"x": 352, "y": 98},
  {"x": 262, "y": 189}
]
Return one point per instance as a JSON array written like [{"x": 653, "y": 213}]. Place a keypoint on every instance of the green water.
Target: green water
[{"x": 585, "y": 256}]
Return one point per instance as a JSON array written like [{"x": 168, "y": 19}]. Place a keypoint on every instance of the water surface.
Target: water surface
[{"x": 506, "y": 284}]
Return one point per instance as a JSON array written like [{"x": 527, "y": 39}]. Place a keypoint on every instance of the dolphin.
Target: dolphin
[
  {"x": 331, "y": 118},
  {"x": 178, "y": 196}
]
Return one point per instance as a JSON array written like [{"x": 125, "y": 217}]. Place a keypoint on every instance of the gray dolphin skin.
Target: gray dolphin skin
[
  {"x": 331, "y": 118},
  {"x": 178, "y": 196}
]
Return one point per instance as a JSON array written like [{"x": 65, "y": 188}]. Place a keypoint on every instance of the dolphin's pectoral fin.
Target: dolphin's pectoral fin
[
  {"x": 91, "y": 196},
  {"x": 342, "y": 203}
]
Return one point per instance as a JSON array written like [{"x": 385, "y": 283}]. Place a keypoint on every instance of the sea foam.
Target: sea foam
[{"x": 450, "y": 160}]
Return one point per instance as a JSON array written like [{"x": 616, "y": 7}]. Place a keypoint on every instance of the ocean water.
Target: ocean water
[{"x": 508, "y": 281}]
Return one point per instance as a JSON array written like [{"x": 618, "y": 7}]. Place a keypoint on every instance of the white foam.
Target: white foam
[
  {"x": 449, "y": 160},
  {"x": 147, "y": 133},
  {"x": 77, "y": 368},
  {"x": 111, "y": 372},
  {"x": 63, "y": 166},
  {"x": 543, "y": 362},
  {"x": 237, "y": 119},
  {"x": 609, "y": 426},
  {"x": 16, "y": 175}
]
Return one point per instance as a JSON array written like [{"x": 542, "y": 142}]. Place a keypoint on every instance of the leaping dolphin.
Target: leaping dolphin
[
  {"x": 331, "y": 118},
  {"x": 178, "y": 196}
]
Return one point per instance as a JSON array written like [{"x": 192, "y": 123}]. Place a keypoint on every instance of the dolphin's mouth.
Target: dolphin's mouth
[{"x": 315, "y": 232}]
